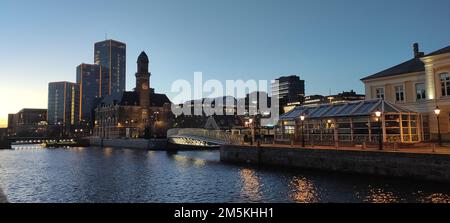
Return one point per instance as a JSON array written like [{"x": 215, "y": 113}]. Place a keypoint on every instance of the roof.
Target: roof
[
  {"x": 143, "y": 58},
  {"x": 410, "y": 66},
  {"x": 350, "y": 109},
  {"x": 441, "y": 51},
  {"x": 130, "y": 98}
]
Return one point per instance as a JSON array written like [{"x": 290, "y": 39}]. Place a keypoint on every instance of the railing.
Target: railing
[{"x": 212, "y": 134}]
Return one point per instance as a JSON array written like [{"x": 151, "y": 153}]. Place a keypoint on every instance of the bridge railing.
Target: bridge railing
[{"x": 212, "y": 134}]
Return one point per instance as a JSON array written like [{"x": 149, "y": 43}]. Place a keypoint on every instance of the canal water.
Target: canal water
[{"x": 121, "y": 175}]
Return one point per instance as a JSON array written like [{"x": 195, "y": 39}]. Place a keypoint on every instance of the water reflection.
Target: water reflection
[
  {"x": 380, "y": 195},
  {"x": 303, "y": 190},
  {"x": 122, "y": 175},
  {"x": 189, "y": 160},
  {"x": 251, "y": 186},
  {"x": 107, "y": 151},
  {"x": 436, "y": 198}
]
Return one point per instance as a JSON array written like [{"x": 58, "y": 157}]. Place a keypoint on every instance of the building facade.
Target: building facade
[
  {"x": 288, "y": 90},
  {"x": 134, "y": 114},
  {"x": 420, "y": 84},
  {"x": 90, "y": 82},
  {"x": 28, "y": 122},
  {"x": 63, "y": 107},
  {"x": 351, "y": 123},
  {"x": 111, "y": 56}
]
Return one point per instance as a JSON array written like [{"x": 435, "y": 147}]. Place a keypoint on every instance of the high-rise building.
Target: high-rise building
[
  {"x": 111, "y": 56},
  {"x": 63, "y": 103},
  {"x": 28, "y": 122},
  {"x": 288, "y": 89},
  {"x": 89, "y": 79}
]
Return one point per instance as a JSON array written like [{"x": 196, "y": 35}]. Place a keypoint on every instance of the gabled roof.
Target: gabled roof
[
  {"x": 441, "y": 51},
  {"x": 410, "y": 66},
  {"x": 350, "y": 109}
]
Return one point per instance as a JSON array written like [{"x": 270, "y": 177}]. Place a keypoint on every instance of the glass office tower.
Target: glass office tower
[
  {"x": 90, "y": 82},
  {"x": 111, "y": 56},
  {"x": 63, "y": 107}
]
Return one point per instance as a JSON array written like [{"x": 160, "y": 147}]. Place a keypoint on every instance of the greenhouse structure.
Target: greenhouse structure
[{"x": 354, "y": 122}]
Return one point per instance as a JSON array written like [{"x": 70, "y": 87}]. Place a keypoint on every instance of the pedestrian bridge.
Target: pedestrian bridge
[{"x": 202, "y": 138}]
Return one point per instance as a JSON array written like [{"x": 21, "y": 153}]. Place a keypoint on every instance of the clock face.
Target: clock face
[{"x": 144, "y": 86}]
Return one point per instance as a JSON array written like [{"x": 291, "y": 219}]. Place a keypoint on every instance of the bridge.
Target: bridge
[{"x": 202, "y": 138}]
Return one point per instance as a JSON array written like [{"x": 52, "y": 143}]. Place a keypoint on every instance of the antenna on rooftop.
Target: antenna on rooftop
[{"x": 106, "y": 36}]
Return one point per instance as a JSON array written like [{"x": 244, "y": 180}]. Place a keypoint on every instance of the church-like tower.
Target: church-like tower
[{"x": 143, "y": 80}]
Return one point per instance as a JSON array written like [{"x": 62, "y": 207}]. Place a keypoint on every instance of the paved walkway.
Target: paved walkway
[{"x": 422, "y": 150}]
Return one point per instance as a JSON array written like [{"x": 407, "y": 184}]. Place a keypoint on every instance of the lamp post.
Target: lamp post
[
  {"x": 380, "y": 130},
  {"x": 252, "y": 126},
  {"x": 437, "y": 111},
  {"x": 302, "y": 118}
]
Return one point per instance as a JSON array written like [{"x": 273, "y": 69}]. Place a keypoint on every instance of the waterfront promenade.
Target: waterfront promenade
[
  {"x": 423, "y": 149},
  {"x": 422, "y": 163}
]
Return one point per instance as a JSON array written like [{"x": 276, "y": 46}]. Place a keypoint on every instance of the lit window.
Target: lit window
[
  {"x": 380, "y": 93},
  {"x": 445, "y": 84},
  {"x": 420, "y": 91},
  {"x": 290, "y": 130},
  {"x": 399, "y": 94}
]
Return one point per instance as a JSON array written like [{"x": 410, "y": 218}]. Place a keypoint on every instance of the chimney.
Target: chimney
[{"x": 417, "y": 53}]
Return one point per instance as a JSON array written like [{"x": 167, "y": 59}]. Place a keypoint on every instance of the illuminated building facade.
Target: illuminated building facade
[
  {"x": 90, "y": 84},
  {"x": 134, "y": 114},
  {"x": 420, "y": 84},
  {"x": 110, "y": 55},
  {"x": 63, "y": 103},
  {"x": 28, "y": 122}
]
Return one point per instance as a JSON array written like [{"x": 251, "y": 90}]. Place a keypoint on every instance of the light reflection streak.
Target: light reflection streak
[
  {"x": 380, "y": 195},
  {"x": 251, "y": 186},
  {"x": 303, "y": 190}
]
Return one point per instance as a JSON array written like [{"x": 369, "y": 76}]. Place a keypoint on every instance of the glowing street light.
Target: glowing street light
[
  {"x": 437, "y": 111},
  {"x": 302, "y": 118},
  {"x": 380, "y": 135}
]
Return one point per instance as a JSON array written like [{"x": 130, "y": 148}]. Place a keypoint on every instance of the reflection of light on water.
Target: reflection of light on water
[
  {"x": 437, "y": 198},
  {"x": 186, "y": 160},
  {"x": 107, "y": 151},
  {"x": 251, "y": 187},
  {"x": 77, "y": 149},
  {"x": 379, "y": 195},
  {"x": 303, "y": 190}
]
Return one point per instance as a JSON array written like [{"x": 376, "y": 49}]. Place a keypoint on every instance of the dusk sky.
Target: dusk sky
[{"x": 330, "y": 44}]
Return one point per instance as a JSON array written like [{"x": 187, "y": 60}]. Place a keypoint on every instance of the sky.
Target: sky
[{"x": 330, "y": 44}]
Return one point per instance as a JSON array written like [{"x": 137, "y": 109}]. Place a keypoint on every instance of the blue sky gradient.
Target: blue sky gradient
[{"x": 329, "y": 43}]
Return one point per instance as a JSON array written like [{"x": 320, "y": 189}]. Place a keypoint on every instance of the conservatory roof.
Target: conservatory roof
[{"x": 358, "y": 108}]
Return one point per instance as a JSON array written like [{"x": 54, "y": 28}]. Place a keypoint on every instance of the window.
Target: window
[
  {"x": 399, "y": 94},
  {"x": 420, "y": 91},
  {"x": 445, "y": 84},
  {"x": 380, "y": 93}
]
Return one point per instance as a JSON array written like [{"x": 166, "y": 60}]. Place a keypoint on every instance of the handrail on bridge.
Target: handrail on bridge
[{"x": 212, "y": 134}]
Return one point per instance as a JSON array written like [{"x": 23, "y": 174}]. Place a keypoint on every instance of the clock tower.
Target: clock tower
[{"x": 143, "y": 80}]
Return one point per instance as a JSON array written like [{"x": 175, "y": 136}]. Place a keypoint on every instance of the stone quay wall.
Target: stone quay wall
[{"x": 432, "y": 167}]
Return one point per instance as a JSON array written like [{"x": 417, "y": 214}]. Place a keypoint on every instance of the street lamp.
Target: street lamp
[
  {"x": 252, "y": 126},
  {"x": 380, "y": 134},
  {"x": 302, "y": 118},
  {"x": 437, "y": 111}
]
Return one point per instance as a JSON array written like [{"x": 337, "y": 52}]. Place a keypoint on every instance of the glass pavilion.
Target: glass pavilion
[{"x": 353, "y": 122}]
